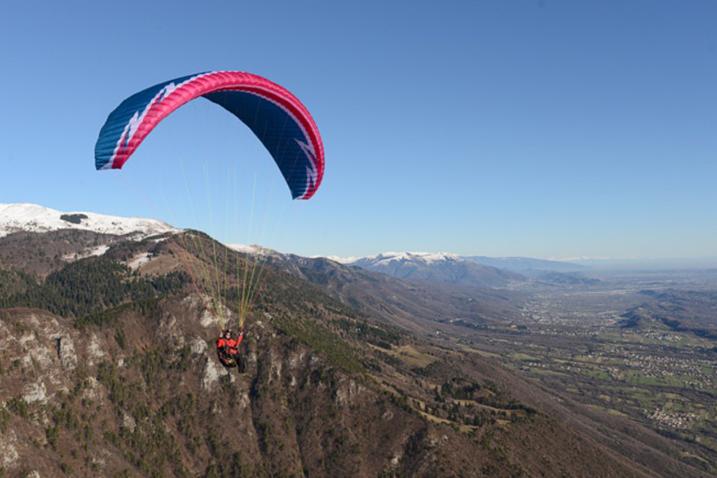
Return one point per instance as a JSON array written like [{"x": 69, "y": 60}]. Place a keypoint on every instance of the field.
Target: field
[{"x": 641, "y": 345}]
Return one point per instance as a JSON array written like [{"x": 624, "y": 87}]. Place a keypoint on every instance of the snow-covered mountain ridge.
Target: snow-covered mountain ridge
[
  {"x": 387, "y": 257},
  {"x": 255, "y": 250},
  {"x": 26, "y": 217},
  {"x": 421, "y": 259},
  {"x": 439, "y": 267}
]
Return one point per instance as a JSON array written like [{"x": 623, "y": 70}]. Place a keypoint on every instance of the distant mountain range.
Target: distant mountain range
[
  {"x": 441, "y": 267},
  {"x": 416, "y": 305}
]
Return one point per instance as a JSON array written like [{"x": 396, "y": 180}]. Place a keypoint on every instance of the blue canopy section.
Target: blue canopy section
[
  {"x": 277, "y": 130},
  {"x": 118, "y": 121}
]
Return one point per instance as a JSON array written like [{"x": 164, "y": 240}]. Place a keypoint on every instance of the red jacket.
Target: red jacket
[{"x": 230, "y": 345}]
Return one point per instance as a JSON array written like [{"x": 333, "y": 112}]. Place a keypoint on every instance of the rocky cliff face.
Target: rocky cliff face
[{"x": 147, "y": 397}]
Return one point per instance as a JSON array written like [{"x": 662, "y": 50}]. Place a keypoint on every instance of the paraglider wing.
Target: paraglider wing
[{"x": 273, "y": 114}]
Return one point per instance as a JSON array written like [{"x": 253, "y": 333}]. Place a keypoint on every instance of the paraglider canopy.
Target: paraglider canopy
[{"x": 274, "y": 115}]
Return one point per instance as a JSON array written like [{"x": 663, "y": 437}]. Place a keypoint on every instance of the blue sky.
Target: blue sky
[{"x": 550, "y": 129}]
